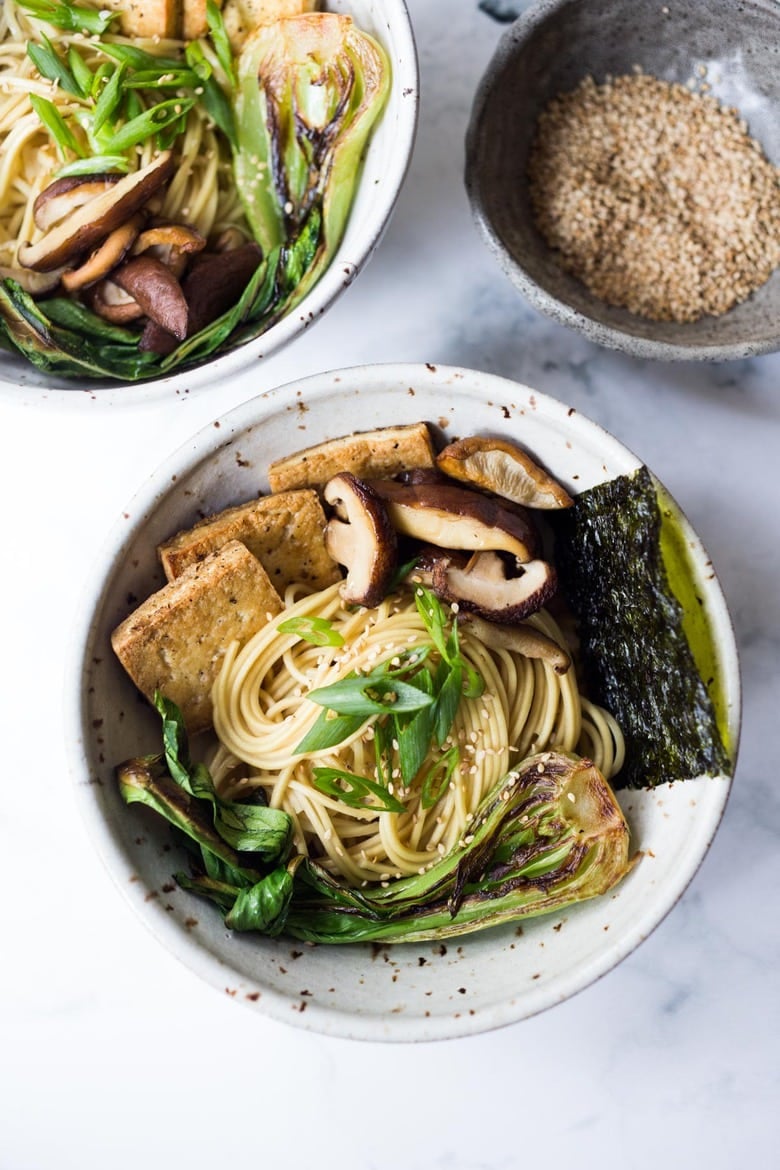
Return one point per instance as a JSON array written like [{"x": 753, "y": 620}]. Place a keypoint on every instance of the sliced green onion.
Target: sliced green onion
[
  {"x": 149, "y": 123},
  {"x": 316, "y": 630},
  {"x": 55, "y": 124},
  {"x": 69, "y": 17},
  {"x": 328, "y": 731},
  {"x": 353, "y": 790},
  {"x": 220, "y": 41},
  {"x": 80, "y": 71},
  {"x": 50, "y": 65},
  {"x": 137, "y": 59},
  {"x": 370, "y": 694},
  {"x": 94, "y": 165},
  {"x": 432, "y": 788},
  {"x": 163, "y": 79},
  {"x": 109, "y": 99}
]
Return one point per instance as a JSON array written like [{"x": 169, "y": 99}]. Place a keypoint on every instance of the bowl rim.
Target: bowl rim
[
  {"x": 334, "y": 281},
  {"x": 609, "y": 336},
  {"x": 105, "y": 838}
]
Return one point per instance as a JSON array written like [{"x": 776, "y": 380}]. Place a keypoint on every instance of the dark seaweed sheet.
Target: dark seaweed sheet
[{"x": 636, "y": 658}]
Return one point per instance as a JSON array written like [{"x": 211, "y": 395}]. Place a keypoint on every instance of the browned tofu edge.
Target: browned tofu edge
[
  {"x": 284, "y": 530},
  {"x": 374, "y": 454},
  {"x": 174, "y": 641}
]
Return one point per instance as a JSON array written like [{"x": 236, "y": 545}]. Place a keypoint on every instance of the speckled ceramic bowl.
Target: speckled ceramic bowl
[
  {"x": 547, "y": 51},
  {"x": 386, "y": 162},
  {"x": 405, "y": 992}
]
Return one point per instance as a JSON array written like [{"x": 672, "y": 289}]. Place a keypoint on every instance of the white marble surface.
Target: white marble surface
[{"x": 112, "y": 1054}]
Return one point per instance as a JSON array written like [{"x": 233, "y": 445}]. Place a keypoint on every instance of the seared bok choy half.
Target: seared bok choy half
[
  {"x": 549, "y": 834},
  {"x": 309, "y": 92},
  {"x": 291, "y": 112}
]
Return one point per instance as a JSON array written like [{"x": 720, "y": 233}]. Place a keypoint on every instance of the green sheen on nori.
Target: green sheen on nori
[{"x": 637, "y": 661}]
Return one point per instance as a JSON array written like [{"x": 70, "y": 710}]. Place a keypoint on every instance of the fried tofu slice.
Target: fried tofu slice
[
  {"x": 242, "y": 17},
  {"x": 378, "y": 454},
  {"x": 148, "y": 18},
  {"x": 193, "y": 19},
  {"x": 285, "y": 531},
  {"x": 175, "y": 641}
]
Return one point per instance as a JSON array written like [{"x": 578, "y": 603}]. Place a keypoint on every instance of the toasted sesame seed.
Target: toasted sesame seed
[{"x": 655, "y": 196}]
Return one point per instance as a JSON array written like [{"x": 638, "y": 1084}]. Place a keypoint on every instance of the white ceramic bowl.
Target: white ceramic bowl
[
  {"x": 485, "y": 979},
  {"x": 386, "y": 162}
]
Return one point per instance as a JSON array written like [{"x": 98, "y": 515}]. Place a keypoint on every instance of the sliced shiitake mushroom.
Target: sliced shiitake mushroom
[
  {"x": 482, "y": 585},
  {"x": 520, "y": 638},
  {"x": 361, "y": 538},
  {"x": 212, "y": 285},
  {"x": 498, "y": 466},
  {"x": 112, "y": 303},
  {"x": 63, "y": 196},
  {"x": 451, "y": 516},
  {"x": 88, "y": 223},
  {"x": 216, "y": 280},
  {"x": 156, "y": 290},
  {"x": 105, "y": 258},
  {"x": 170, "y": 243}
]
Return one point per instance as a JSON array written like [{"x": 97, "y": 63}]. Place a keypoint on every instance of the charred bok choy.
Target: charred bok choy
[
  {"x": 549, "y": 834},
  {"x": 265, "y": 138}
]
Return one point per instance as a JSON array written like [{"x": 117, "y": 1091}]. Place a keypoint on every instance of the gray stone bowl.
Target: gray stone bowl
[{"x": 548, "y": 50}]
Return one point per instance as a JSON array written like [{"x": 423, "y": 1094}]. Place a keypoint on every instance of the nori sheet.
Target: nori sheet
[{"x": 636, "y": 659}]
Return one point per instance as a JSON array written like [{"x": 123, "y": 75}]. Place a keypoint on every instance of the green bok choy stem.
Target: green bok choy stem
[{"x": 549, "y": 834}]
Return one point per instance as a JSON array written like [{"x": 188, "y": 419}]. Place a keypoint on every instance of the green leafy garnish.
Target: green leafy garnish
[
  {"x": 316, "y": 630},
  {"x": 51, "y": 66},
  {"x": 56, "y": 125},
  {"x": 69, "y": 17},
  {"x": 377, "y": 693},
  {"x": 437, "y": 778},
  {"x": 220, "y": 40},
  {"x": 353, "y": 790},
  {"x": 548, "y": 835},
  {"x": 410, "y": 706},
  {"x": 148, "y": 124},
  {"x": 95, "y": 164}
]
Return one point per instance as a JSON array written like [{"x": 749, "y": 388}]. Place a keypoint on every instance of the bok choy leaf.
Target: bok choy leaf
[
  {"x": 550, "y": 834},
  {"x": 310, "y": 89}
]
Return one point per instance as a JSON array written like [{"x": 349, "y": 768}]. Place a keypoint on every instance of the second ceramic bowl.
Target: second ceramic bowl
[{"x": 548, "y": 51}]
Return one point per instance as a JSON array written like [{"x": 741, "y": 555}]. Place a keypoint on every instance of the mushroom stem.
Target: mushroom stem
[{"x": 521, "y": 638}]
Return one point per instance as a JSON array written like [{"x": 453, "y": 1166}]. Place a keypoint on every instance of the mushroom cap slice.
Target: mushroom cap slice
[
  {"x": 157, "y": 291},
  {"x": 63, "y": 196},
  {"x": 80, "y": 230},
  {"x": 216, "y": 280},
  {"x": 171, "y": 243},
  {"x": 112, "y": 303},
  {"x": 451, "y": 516},
  {"x": 482, "y": 586},
  {"x": 360, "y": 537},
  {"x": 498, "y": 466},
  {"x": 105, "y": 257},
  {"x": 520, "y": 638}
]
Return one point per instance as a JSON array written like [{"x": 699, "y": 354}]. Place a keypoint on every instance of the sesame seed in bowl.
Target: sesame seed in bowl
[{"x": 622, "y": 166}]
